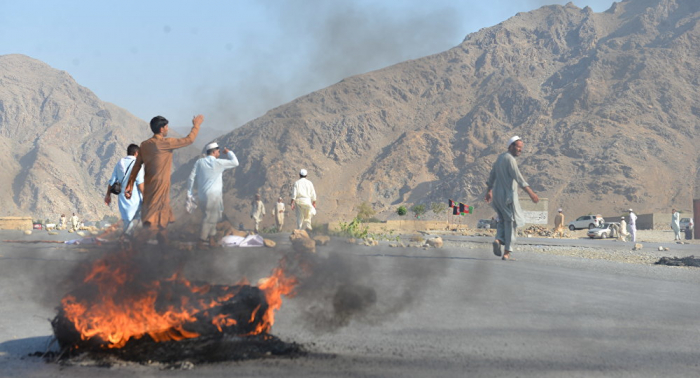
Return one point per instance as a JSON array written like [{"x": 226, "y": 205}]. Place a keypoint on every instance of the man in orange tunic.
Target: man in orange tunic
[{"x": 156, "y": 154}]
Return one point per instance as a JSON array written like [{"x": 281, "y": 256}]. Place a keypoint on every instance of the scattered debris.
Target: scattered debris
[
  {"x": 269, "y": 243},
  {"x": 679, "y": 261},
  {"x": 435, "y": 242},
  {"x": 637, "y": 247},
  {"x": 535, "y": 230},
  {"x": 322, "y": 239},
  {"x": 301, "y": 242}
]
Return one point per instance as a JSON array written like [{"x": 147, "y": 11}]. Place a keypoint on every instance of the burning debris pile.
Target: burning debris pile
[{"x": 120, "y": 309}]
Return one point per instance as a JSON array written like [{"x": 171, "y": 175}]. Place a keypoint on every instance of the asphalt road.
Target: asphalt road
[{"x": 439, "y": 313}]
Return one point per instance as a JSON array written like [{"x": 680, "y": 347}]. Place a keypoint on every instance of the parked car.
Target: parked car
[
  {"x": 483, "y": 223},
  {"x": 684, "y": 223},
  {"x": 586, "y": 221},
  {"x": 603, "y": 232}
]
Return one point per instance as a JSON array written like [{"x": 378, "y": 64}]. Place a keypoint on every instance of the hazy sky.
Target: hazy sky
[{"x": 234, "y": 60}]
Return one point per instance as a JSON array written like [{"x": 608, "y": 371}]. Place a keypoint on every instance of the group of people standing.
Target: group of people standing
[
  {"x": 145, "y": 173},
  {"x": 303, "y": 202}
]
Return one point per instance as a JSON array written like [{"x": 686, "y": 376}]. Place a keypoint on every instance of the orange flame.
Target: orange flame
[{"x": 119, "y": 314}]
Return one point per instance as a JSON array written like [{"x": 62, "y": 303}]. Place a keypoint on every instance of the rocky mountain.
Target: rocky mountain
[
  {"x": 58, "y": 142},
  {"x": 607, "y": 104}
]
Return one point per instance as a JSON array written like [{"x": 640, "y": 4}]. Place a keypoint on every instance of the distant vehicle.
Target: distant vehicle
[
  {"x": 37, "y": 226},
  {"x": 586, "y": 221},
  {"x": 483, "y": 223},
  {"x": 685, "y": 222},
  {"x": 603, "y": 232}
]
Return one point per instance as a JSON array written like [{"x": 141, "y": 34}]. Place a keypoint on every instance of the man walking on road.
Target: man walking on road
[
  {"x": 129, "y": 208},
  {"x": 633, "y": 226},
  {"x": 207, "y": 173},
  {"x": 676, "y": 224},
  {"x": 502, "y": 193},
  {"x": 279, "y": 214},
  {"x": 304, "y": 201},
  {"x": 559, "y": 223},
  {"x": 156, "y": 154},
  {"x": 257, "y": 212},
  {"x": 74, "y": 223}
]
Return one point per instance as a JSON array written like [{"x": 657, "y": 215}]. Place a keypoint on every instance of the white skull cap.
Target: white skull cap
[
  {"x": 559, "y": 210},
  {"x": 211, "y": 146},
  {"x": 513, "y": 140},
  {"x": 630, "y": 210},
  {"x": 303, "y": 172}
]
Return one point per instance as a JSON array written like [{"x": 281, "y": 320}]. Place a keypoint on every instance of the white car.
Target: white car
[
  {"x": 684, "y": 223},
  {"x": 603, "y": 232},
  {"x": 484, "y": 223},
  {"x": 586, "y": 221}
]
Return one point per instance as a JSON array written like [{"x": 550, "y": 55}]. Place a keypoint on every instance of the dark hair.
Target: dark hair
[
  {"x": 157, "y": 123},
  {"x": 132, "y": 149}
]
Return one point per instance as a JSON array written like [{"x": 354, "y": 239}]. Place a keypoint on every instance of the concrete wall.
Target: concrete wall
[
  {"x": 16, "y": 223},
  {"x": 535, "y": 213},
  {"x": 653, "y": 221}
]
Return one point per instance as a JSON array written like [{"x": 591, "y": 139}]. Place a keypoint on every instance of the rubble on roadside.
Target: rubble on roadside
[{"x": 679, "y": 261}]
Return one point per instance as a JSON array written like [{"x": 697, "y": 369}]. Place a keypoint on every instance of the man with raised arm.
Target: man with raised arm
[
  {"x": 156, "y": 155},
  {"x": 207, "y": 173}
]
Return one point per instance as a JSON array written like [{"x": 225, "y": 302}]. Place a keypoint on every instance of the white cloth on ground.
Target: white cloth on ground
[{"x": 252, "y": 240}]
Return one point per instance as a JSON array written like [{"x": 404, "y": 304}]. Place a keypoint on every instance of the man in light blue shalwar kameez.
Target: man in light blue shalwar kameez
[
  {"x": 207, "y": 172},
  {"x": 502, "y": 193},
  {"x": 129, "y": 208}
]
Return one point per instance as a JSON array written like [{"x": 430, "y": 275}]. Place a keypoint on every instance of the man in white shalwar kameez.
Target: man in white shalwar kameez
[
  {"x": 676, "y": 224},
  {"x": 304, "y": 201},
  {"x": 74, "y": 223},
  {"x": 279, "y": 214},
  {"x": 502, "y": 193},
  {"x": 207, "y": 172},
  {"x": 129, "y": 208},
  {"x": 257, "y": 212},
  {"x": 632, "y": 225}
]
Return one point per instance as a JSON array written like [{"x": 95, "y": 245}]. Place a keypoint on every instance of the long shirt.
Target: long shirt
[
  {"x": 157, "y": 155},
  {"x": 676, "y": 221},
  {"x": 127, "y": 206},
  {"x": 207, "y": 173},
  {"x": 503, "y": 181},
  {"x": 633, "y": 220},
  {"x": 258, "y": 210},
  {"x": 279, "y": 210},
  {"x": 303, "y": 191},
  {"x": 559, "y": 221}
]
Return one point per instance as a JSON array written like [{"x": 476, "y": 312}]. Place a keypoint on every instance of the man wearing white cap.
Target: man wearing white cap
[
  {"x": 559, "y": 223},
  {"x": 304, "y": 200},
  {"x": 502, "y": 193},
  {"x": 279, "y": 214},
  {"x": 633, "y": 226},
  {"x": 207, "y": 172}
]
